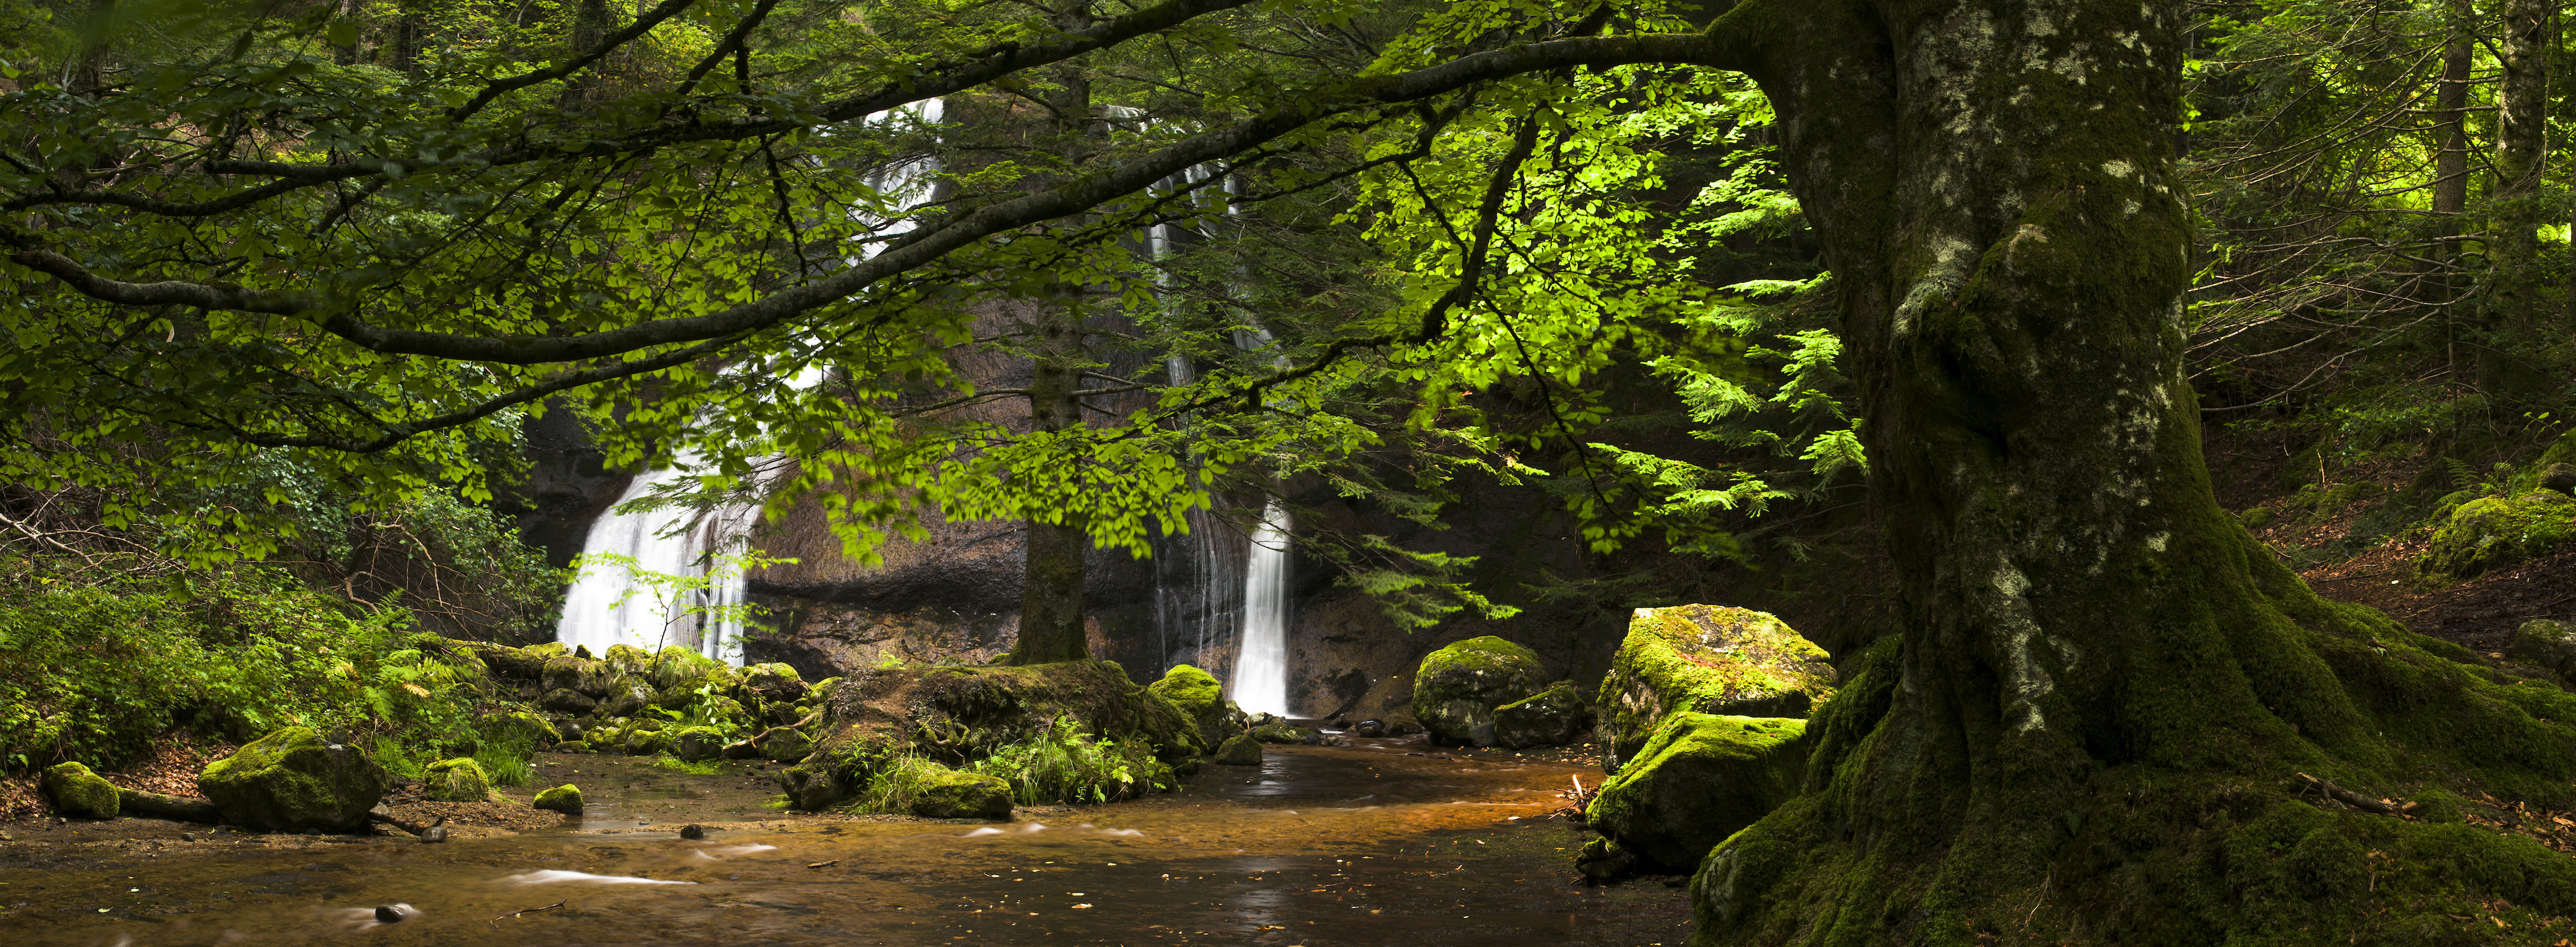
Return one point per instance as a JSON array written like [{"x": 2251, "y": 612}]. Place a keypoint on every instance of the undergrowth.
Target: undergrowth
[{"x": 1061, "y": 764}]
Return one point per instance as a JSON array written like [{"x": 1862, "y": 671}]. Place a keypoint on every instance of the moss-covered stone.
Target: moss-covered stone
[
  {"x": 1604, "y": 860},
  {"x": 1238, "y": 750},
  {"x": 784, "y": 744},
  {"x": 76, "y": 791},
  {"x": 565, "y": 700},
  {"x": 519, "y": 664},
  {"x": 2496, "y": 531},
  {"x": 698, "y": 744},
  {"x": 565, "y": 799},
  {"x": 774, "y": 682},
  {"x": 1552, "y": 717},
  {"x": 1697, "y": 779},
  {"x": 292, "y": 780},
  {"x": 628, "y": 659},
  {"x": 581, "y": 675},
  {"x": 456, "y": 780},
  {"x": 2549, "y": 644},
  {"x": 1708, "y": 659},
  {"x": 1457, "y": 687},
  {"x": 676, "y": 667},
  {"x": 948, "y": 794},
  {"x": 522, "y": 726},
  {"x": 1198, "y": 694},
  {"x": 643, "y": 742},
  {"x": 1288, "y": 733}
]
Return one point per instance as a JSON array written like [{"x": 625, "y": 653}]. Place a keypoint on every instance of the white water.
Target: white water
[
  {"x": 1261, "y": 673},
  {"x": 612, "y": 603}
]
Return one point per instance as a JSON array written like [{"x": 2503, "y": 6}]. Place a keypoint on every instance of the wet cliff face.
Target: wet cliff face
[{"x": 567, "y": 486}]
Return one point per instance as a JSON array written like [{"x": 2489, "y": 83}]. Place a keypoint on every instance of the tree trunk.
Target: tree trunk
[
  {"x": 2450, "y": 185},
  {"x": 2089, "y": 726},
  {"x": 1051, "y": 626},
  {"x": 2521, "y": 152}
]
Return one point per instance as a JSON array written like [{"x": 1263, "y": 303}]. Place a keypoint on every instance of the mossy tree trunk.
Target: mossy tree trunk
[
  {"x": 2104, "y": 688},
  {"x": 1051, "y": 627}
]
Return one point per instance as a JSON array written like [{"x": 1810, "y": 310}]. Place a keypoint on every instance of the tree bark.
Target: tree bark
[
  {"x": 2521, "y": 151},
  {"x": 2101, "y": 682},
  {"x": 1051, "y": 609}
]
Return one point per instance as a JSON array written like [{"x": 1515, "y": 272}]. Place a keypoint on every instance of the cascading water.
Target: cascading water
[
  {"x": 1261, "y": 679},
  {"x": 661, "y": 577}
]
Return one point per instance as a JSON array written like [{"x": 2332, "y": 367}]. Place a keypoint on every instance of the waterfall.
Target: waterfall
[
  {"x": 1261, "y": 679},
  {"x": 658, "y": 577}
]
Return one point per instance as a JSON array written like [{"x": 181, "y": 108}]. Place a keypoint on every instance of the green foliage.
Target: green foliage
[
  {"x": 94, "y": 667},
  {"x": 1061, "y": 764}
]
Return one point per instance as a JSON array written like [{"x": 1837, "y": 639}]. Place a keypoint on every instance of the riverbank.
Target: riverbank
[{"x": 1364, "y": 844}]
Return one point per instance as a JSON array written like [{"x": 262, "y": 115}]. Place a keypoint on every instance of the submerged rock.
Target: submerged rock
[
  {"x": 565, "y": 799},
  {"x": 292, "y": 780},
  {"x": 1696, "y": 780},
  {"x": 1457, "y": 688},
  {"x": 1707, "y": 659},
  {"x": 1198, "y": 695},
  {"x": 1239, "y": 750},
  {"x": 2487, "y": 533},
  {"x": 77, "y": 791},
  {"x": 456, "y": 780},
  {"x": 947, "y": 794},
  {"x": 1550, "y": 717}
]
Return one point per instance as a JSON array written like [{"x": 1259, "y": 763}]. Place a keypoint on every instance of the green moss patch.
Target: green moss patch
[
  {"x": 1706, "y": 659},
  {"x": 1457, "y": 688},
  {"x": 1697, "y": 779},
  {"x": 2496, "y": 531},
  {"x": 292, "y": 780},
  {"x": 75, "y": 791}
]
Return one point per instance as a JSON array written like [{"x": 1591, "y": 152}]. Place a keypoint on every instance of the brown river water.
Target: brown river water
[{"x": 1381, "y": 843}]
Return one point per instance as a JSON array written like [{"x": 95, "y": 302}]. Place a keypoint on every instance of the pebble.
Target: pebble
[{"x": 387, "y": 914}]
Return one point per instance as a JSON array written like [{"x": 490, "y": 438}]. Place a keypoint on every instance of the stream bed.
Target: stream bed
[{"x": 1383, "y": 842}]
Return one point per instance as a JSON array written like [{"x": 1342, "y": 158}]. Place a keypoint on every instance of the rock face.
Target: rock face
[
  {"x": 1238, "y": 750},
  {"x": 1199, "y": 695},
  {"x": 1555, "y": 716},
  {"x": 2496, "y": 531},
  {"x": 78, "y": 792},
  {"x": 565, "y": 799},
  {"x": 1697, "y": 779},
  {"x": 293, "y": 780},
  {"x": 456, "y": 780},
  {"x": 1458, "y": 687},
  {"x": 1708, "y": 659},
  {"x": 949, "y": 794}
]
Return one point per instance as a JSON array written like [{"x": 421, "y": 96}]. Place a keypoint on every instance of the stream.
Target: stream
[{"x": 1382, "y": 842}]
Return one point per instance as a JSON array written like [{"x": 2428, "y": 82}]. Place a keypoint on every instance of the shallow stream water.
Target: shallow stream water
[{"x": 1320, "y": 846}]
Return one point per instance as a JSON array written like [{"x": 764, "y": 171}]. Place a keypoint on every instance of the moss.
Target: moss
[
  {"x": 697, "y": 744},
  {"x": 784, "y": 744},
  {"x": 1198, "y": 695},
  {"x": 1697, "y": 779},
  {"x": 521, "y": 726},
  {"x": 565, "y": 799},
  {"x": 580, "y": 675},
  {"x": 1239, "y": 750},
  {"x": 76, "y": 791},
  {"x": 292, "y": 780},
  {"x": 1708, "y": 659},
  {"x": 456, "y": 780},
  {"x": 1550, "y": 717},
  {"x": 948, "y": 794},
  {"x": 774, "y": 682},
  {"x": 2496, "y": 531},
  {"x": 1458, "y": 686}
]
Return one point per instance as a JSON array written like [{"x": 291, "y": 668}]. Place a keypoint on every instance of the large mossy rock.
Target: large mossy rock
[
  {"x": 774, "y": 682},
  {"x": 580, "y": 675},
  {"x": 1697, "y": 779},
  {"x": 1238, "y": 750},
  {"x": 1551, "y": 717},
  {"x": 1458, "y": 687},
  {"x": 1708, "y": 659},
  {"x": 456, "y": 780},
  {"x": 2550, "y": 644},
  {"x": 76, "y": 791},
  {"x": 948, "y": 794},
  {"x": 565, "y": 799},
  {"x": 1202, "y": 698},
  {"x": 698, "y": 744},
  {"x": 961, "y": 714},
  {"x": 293, "y": 780},
  {"x": 2498, "y": 531}
]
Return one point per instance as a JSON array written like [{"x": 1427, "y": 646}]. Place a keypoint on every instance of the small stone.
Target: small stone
[
  {"x": 565, "y": 799},
  {"x": 435, "y": 833},
  {"x": 1369, "y": 729},
  {"x": 693, "y": 832},
  {"x": 387, "y": 914}
]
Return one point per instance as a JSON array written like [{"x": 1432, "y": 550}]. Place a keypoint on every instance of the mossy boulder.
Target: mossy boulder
[
  {"x": 565, "y": 700},
  {"x": 520, "y": 726},
  {"x": 565, "y": 799},
  {"x": 2549, "y": 644},
  {"x": 1697, "y": 779},
  {"x": 947, "y": 794},
  {"x": 456, "y": 780},
  {"x": 1707, "y": 659},
  {"x": 1198, "y": 694},
  {"x": 697, "y": 744},
  {"x": 2487, "y": 533},
  {"x": 76, "y": 791},
  {"x": 293, "y": 780},
  {"x": 1457, "y": 687},
  {"x": 1238, "y": 750},
  {"x": 1552, "y": 717},
  {"x": 1288, "y": 733},
  {"x": 774, "y": 683},
  {"x": 642, "y": 742},
  {"x": 580, "y": 675},
  {"x": 521, "y": 664},
  {"x": 1604, "y": 860},
  {"x": 784, "y": 744},
  {"x": 678, "y": 668}
]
